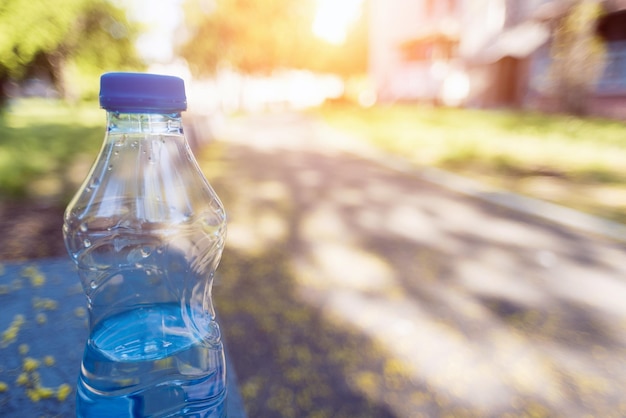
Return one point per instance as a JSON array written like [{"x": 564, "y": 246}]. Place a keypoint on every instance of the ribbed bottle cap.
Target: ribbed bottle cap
[{"x": 140, "y": 92}]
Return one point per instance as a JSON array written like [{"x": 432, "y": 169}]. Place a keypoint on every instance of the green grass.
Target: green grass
[
  {"x": 46, "y": 147},
  {"x": 572, "y": 161},
  {"x": 523, "y": 142}
]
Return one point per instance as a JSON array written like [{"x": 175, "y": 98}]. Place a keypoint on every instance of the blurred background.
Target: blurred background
[
  {"x": 531, "y": 80},
  {"x": 525, "y": 97}
]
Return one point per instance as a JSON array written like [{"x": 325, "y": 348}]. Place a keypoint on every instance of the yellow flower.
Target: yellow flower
[
  {"x": 33, "y": 394},
  {"x": 63, "y": 392},
  {"x": 44, "y": 392},
  {"x": 30, "y": 364},
  {"x": 37, "y": 280},
  {"x": 10, "y": 334},
  {"x": 45, "y": 303},
  {"x": 22, "y": 379},
  {"x": 41, "y": 318}
]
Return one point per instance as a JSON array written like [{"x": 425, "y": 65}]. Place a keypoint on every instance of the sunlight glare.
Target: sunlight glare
[
  {"x": 333, "y": 19},
  {"x": 160, "y": 21}
]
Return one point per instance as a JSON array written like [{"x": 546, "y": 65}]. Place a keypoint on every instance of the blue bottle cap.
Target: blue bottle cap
[{"x": 140, "y": 92}]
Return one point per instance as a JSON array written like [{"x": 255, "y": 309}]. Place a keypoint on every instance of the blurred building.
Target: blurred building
[
  {"x": 413, "y": 47},
  {"x": 484, "y": 53}
]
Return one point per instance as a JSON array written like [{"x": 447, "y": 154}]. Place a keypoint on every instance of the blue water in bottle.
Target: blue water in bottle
[{"x": 146, "y": 232}]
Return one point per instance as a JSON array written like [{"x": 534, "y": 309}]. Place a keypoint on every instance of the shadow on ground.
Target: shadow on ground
[{"x": 348, "y": 289}]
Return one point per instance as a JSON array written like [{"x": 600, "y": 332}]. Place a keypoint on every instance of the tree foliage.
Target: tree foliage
[
  {"x": 259, "y": 36},
  {"x": 63, "y": 39},
  {"x": 30, "y": 27},
  {"x": 578, "y": 55}
]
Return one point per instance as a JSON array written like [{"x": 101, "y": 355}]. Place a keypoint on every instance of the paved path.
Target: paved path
[{"x": 443, "y": 305}]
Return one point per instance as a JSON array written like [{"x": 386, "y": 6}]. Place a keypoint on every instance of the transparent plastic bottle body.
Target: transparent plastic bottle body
[{"x": 146, "y": 232}]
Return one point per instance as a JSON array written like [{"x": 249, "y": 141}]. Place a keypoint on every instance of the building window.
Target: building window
[{"x": 613, "y": 79}]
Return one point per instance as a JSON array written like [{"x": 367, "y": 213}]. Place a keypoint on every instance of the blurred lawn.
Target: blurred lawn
[
  {"x": 567, "y": 160},
  {"x": 46, "y": 147}
]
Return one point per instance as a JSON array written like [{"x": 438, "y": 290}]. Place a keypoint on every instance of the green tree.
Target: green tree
[
  {"x": 258, "y": 36},
  {"x": 80, "y": 34},
  {"x": 578, "y": 56},
  {"x": 102, "y": 40}
]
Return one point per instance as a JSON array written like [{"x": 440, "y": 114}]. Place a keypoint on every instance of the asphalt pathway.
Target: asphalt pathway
[{"x": 354, "y": 288}]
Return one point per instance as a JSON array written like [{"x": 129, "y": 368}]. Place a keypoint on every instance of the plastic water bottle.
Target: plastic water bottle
[{"x": 146, "y": 231}]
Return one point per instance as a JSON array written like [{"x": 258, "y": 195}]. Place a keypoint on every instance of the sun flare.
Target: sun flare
[{"x": 333, "y": 19}]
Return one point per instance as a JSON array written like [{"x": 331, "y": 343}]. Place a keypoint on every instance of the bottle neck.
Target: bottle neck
[{"x": 156, "y": 123}]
